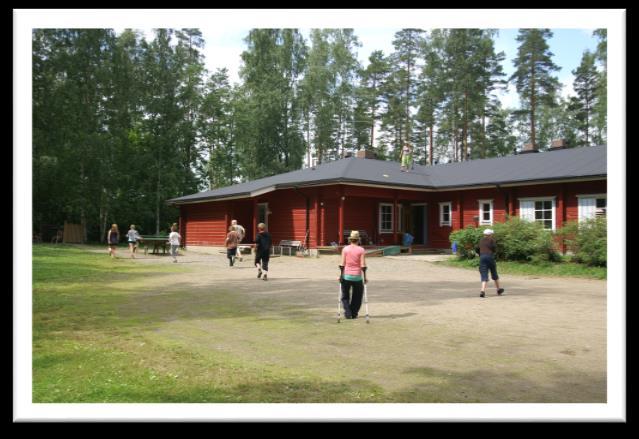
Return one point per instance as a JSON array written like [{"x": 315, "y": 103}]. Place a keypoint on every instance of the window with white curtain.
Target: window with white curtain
[
  {"x": 540, "y": 209},
  {"x": 591, "y": 206}
]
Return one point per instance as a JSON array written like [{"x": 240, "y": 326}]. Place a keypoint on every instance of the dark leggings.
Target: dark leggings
[
  {"x": 262, "y": 259},
  {"x": 352, "y": 304}
]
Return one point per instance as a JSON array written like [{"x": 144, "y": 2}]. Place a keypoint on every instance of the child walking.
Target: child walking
[
  {"x": 133, "y": 237},
  {"x": 113, "y": 237},
  {"x": 262, "y": 251},
  {"x": 174, "y": 241},
  {"x": 232, "y": 240}
]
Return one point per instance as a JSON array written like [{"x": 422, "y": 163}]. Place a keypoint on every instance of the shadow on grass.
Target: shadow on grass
[{"x": 486, "y": 386}]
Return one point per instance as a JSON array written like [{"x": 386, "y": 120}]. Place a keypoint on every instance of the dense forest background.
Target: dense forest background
[{"x": 121, "y": 123}]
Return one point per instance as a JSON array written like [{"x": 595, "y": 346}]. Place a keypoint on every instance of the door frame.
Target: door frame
[{"x": 425, "y": 219}]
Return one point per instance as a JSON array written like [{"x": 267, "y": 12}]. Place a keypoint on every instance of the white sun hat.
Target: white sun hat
[{"x": 488, "y": 232}]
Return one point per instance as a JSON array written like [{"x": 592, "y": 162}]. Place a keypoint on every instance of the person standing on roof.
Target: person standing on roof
[
  {"x": 407, "y": 157},
  {"x": 353, "y": 276}
]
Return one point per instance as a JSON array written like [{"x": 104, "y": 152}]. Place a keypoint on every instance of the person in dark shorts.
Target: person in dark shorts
[
  {"x": 232, "y": 240},
  {"x": 262, "y": 251},
  {"x": 113, "y": 237},
  {"x": 133, "y": 238},
  {"x": 487, "y": 249}
]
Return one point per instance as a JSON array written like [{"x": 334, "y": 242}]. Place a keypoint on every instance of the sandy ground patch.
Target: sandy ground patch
[{"x": 430, "y": 337}]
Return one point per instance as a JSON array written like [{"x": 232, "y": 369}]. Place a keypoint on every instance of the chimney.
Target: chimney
[
  {"x": 364, "y": 154},
  {"x": 528, "y": 148},
  {"x": 558, "y": 144}
]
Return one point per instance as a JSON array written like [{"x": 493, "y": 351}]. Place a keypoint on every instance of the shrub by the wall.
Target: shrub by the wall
[
  {"x": 587, "y": 241},
  {"x": 516, "y": 240}
]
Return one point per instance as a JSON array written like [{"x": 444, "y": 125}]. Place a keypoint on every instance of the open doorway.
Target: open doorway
[{"x": 417, "y": 226}]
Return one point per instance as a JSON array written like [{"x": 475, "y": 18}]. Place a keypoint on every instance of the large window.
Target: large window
[
  {"x": 445, "y": 214},
  {"x": 592, "y": 206},
  {"x": 541, "y": 210},
  {"x": 385, "y": 218},
  {"x": 485, "y": 212}
]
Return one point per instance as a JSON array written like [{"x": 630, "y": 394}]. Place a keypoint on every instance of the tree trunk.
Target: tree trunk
[
  {"x": 532, "y": 105},
  {"x": 83, "y": 219},
  {"x": 483, "y": 132},
  {"x": 157, "y": 203},
  {"x": 431, "y": 144},
  {"x": 465, "y": 153}
]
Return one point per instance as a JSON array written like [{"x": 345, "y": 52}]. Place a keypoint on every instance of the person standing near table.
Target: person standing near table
[
  {"x": 174, "y": 241},
  {"x": 133, "y": 236}
]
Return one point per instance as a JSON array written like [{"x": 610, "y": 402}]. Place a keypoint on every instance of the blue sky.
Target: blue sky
[{"x": 224, "y": 46}]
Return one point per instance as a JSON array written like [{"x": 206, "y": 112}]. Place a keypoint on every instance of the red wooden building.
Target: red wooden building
[{"x": 320, "y": 205}]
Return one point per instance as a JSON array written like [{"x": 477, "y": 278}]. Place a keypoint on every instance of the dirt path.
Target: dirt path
[{"x": 431, "y": 338}]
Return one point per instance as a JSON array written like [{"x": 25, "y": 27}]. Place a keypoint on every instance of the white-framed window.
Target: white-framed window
[
  {"x": 386, "y": 217},
  {"x": 592, "y": 206},
  {"x": 446, "y": 214},
  {"x": 540, "y": 209},
  {"x": 485, "y": 212}
]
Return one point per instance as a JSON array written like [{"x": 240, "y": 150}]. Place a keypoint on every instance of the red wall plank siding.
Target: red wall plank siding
[
  {"x": 360, "y": 214},
  {"x": 206, "y": 223},
  {"x": 330, "y": 219},
  {"x": 242, "y": 211},
  {"x": 287, "y": 220}
]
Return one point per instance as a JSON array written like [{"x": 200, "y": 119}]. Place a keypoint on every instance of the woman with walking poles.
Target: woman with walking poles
[
  {"x": 486, "y": 250},
  {"x": 352, "y": 276}
]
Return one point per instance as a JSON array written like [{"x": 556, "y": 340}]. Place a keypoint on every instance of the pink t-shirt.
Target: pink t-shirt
[{"x": 353, "y": 259}]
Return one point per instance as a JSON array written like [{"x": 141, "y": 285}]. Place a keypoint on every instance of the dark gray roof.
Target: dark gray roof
[{"x": 563, "y": 164}]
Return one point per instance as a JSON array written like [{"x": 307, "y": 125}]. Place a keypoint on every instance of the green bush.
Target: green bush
[
  {"x": 587, "y": 241},
  {"x": 517, "y": 240}
]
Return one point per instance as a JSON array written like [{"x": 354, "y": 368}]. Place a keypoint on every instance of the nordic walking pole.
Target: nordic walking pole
[
  {"x": 339, "y": 303},
  {"x": 366, "y": 303}
]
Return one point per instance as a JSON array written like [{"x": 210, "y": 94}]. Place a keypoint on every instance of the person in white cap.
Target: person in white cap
[
  {"x": 353, "y": 275},
  {"x": 487, "y": 249}
]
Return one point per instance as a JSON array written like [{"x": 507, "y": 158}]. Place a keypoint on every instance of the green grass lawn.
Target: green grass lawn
[
  {"x": 563, "y": 269},
  {"x": 88, "y": 348}
]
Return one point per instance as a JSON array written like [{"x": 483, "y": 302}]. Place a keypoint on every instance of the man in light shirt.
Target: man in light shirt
[{"x": 241, "y": 233}]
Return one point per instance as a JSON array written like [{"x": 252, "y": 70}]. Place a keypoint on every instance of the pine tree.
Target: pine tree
[{"x": 533, "y": 75}]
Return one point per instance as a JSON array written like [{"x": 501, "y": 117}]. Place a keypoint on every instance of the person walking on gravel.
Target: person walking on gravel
[
  {"x": 263, "y": 244},
  {"x": 486, "y": 250},
  {"x": 353, "y": 276}
]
